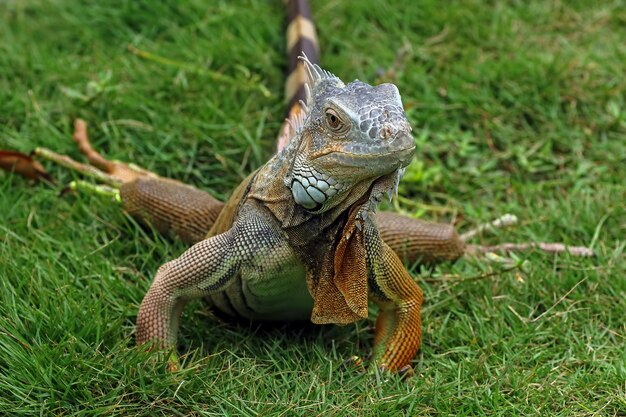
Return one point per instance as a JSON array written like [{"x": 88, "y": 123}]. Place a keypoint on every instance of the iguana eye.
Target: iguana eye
[{"x": 333, "y": 120}]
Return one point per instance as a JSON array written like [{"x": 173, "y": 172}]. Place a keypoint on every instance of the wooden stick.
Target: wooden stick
[
  {"x": 505, "y": 220},
  {"x": 544, "y": 246},
  {"x": 82, "y": 140}
]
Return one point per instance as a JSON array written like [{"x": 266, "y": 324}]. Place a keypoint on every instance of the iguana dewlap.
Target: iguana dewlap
[{"x": 298, "y": 239}]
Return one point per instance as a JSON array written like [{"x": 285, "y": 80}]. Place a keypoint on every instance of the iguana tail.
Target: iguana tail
[{"x": 301, "y": 38}]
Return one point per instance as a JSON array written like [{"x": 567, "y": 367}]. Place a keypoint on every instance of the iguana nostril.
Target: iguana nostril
[{"x": 386, "y": 132}]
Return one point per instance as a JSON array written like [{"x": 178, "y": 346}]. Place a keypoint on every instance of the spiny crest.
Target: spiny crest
[
  {"x": 316, "y": 75},
  {"x": 315, "y": 72},
  {"x": 296, "y": 121}
]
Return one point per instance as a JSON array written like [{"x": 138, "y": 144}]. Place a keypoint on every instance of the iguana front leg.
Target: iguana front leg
[
  {"x": 252, "y": 249},
  {"x": 398, "y": 333},
  {"x": 206, "y": 267}
]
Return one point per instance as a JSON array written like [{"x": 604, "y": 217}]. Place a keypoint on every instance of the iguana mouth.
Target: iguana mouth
[
  {"x": 357, "y": 154},
  {"x": 389, "y": 159},
  {"x": 401, "y": 141}
]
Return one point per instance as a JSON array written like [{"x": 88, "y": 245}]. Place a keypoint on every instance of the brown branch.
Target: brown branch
[
  {"x": 505, "y": 220},
  {"x": 518, "y": 247},
  {"x": 82, "y": 140}
]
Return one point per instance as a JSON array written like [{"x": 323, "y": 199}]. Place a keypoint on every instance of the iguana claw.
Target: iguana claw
[{"x": 406, "y": 372}]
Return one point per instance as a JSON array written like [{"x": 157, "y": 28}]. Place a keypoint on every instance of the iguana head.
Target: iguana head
[{"x": 347, "y": 135}]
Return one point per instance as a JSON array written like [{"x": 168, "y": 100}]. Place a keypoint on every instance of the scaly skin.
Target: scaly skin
[{"x": 298, "y": 239}]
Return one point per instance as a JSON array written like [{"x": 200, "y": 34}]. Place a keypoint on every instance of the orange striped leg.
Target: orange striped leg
[{"x": 398, "y": 332}]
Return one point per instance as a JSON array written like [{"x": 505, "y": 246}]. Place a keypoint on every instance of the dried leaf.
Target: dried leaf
[{"x": 24, "y": 165}]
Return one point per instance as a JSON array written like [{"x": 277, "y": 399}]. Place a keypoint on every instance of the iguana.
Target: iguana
[{"x": 300, "y": 237}]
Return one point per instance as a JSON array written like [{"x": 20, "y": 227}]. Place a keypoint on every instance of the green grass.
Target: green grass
[{"x": 517, "y": 107}]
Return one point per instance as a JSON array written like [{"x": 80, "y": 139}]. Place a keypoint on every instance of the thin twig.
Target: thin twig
[
  {"x": 217, "y": 76},
  {"x": 82, "y": 140},
  {"x": 558, "y": 302},
  {"x": 453, "y": 278},
  {"x": 505, "y": 220},
  {"x": 17, "y": 340},
  {"x": 518, "y": 247}
]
